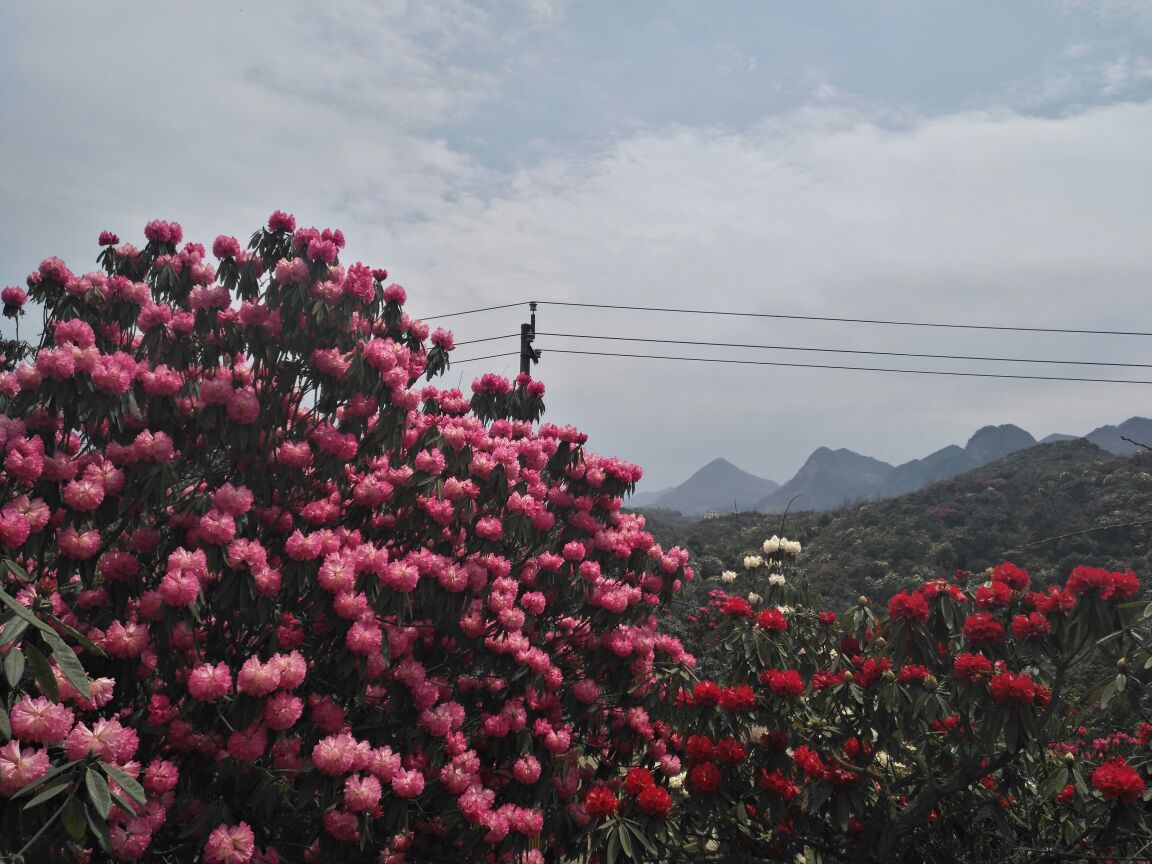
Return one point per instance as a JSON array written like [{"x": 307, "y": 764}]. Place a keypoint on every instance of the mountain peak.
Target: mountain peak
[{"x": 719, "y": 485}]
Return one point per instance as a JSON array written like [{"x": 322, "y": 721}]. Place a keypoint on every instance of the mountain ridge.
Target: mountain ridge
[{"x": 832, "y": 478}]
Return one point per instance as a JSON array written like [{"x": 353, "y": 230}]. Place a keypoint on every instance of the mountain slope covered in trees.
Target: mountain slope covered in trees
[{"x": 1008, "y": 509}]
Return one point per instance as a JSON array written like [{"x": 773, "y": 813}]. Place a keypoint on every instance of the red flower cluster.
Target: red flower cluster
[
  {"x": 1105, "y": 584},
  {"x": 783, "y": 682},
  {"x": 704, "y": 777},
  {"x": 982, "y": 630},
  {"x": 772, "y": 619},
  {"x": 738, "y": 699},
  {"x": 1009, "y": 688},
  {"x": 1031, "y": 626},
  {"x": 1009, "y": 574},
  {"x": 1116, "y": 780},
  {"x": 908, "y": 606},
  {"x": 972, "y": 668},
  {"x": 601, "y": 801}
]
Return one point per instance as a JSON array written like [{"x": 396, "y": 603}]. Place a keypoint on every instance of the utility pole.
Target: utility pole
[{"x": 528, "y": 354}]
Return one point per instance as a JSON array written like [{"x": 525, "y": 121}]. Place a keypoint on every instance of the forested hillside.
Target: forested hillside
[{"x": 1009, "y": 509}]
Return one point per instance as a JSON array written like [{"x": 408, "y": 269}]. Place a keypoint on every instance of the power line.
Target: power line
[
  {"x": 842, "y": 350},
  {"x": 849, "y": 368},
  {"x": 486, "y": 339},
  {"x": 473, "y": 311},
  {"x": 487, "y": 357},
  {"x": 844, "y": 320}
]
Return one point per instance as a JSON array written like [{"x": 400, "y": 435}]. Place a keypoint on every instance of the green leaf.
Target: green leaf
[
  {"x": 14, "y": 666},
  {"x": 49, "y": 792},
  {"x": 75, "y": 819},
  {"x": 42, "y": 672},
  {"x": 126, "y": 782},
  {"x": 127, "y": 806},
  {"x": 69, "y": 663},
  {"x": 82, "y": 640},
  {"x": 59, "y": 769},
  {"x": 613, "y": 842},
  {"x": 98, "y": 792},
  {"x": 5, "y": 723},
  {"x": 16, "y": 570},
  {"x": 100, "y": 829},
  {"x": 626, "y": 840},
  {"x": 13, "y": 630}
]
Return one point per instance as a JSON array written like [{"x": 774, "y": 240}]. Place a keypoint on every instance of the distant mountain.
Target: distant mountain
[
  {"x": 833, "y": 478},
  {"x": 829, "y": 479},
  {"x": 647, "y": 499},
  {"x": 1111, "y": 438},
  {"x": 719, "y": 485}
]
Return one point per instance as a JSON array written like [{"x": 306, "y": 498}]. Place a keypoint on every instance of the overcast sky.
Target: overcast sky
[{"x": 964, "y": 161}]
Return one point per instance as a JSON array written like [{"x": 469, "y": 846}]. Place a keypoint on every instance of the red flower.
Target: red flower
[
  {"x": 909, "y": 607},
  {"x": 972, "y": 668},
  {"x": 783, "y": 682},
  {"x": 772, "y": 619},
  {"x": 737, "y": 606},
  {"x": 740, "y": 698},
  {"x": 637, "y": 780},
  {"x": 655, "y": 801},
  {"x": 1008, "y": 688},
  {"x": 869, "y": 672},
  {"x": 777, "y": 785},
  {"x": 1009, "y": 574},
  {"x": 600, "y": 801},
  {"x": 1065, "y": 795},
  {"x": 912, "y": 674},
  {"x": 1118, "y": 781},
  {"x": 699, "y": 748},
  {"x": 706, "y": 693},
  {"x": 991, "y": 596},
  {"x": 1031, "y": 626},
  {"x": 1107, "y": 585},
  {"x": 826, "y": 618},
  {"x": 1057, "y": 600},
  {"x": 982, "y": 629},
  {"x": 729, "y": 751},
  {"x": 704, "y": 777},
  {"x": 826, "y": 678}
]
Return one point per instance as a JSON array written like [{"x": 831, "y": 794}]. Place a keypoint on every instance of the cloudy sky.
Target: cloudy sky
[{"x": 970, "y": 161}]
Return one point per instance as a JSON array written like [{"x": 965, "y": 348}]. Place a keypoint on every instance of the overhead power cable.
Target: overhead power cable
[
  {"x": 473, "y": 311},
  {"x": 840, "y": 350},
  {"x": 486, "y": 339},
  {"x": 456, "y": 362},
  {"x": 848, "y": 368},
  {"x": 844, "y": 320}
]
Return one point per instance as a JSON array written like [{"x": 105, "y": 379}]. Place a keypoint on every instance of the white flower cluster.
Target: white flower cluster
[
  {"x": 728, "y": 576},
  {"x": 753, "y": 597},
  {"x": 751, "y": 562},
  {"x": 776, "y": 579},
  {"x": 776, "y": 544}
]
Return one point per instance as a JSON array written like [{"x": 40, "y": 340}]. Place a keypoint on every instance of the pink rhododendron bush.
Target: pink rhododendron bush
[
  {"x": 268, "y": 595},
  {"x": 982, "y": 718}
]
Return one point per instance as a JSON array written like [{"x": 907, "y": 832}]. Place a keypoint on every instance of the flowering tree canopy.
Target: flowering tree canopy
[{"x": 267, "y": 598}]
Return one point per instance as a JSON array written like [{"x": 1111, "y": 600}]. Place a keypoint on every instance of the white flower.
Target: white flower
[
  {"x": 771, "y": 545},
  {"x": 728, "y": 576},
  {"x": 751, "y": 562},
  {"x": 791, "y": 547},
  {"x": 677, "y": 780},
  {"x": 754, "y": 597},
  {"x": 776, "y": 579}
]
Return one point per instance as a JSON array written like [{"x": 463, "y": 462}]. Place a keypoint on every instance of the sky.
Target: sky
[{"x": 971, "y": 161}]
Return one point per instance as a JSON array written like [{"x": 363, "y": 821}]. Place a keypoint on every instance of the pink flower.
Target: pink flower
[
  {"x": 230, "y": 844},
  {"x": 225, "y": 247},
  {"x": 20, "y": 766},
  {"x": 244, "y": 406},
  {"x": 335, "y": 754},
  {"x": 209, "y": 683},
  {"x": 282, "y": 710},
  {"x": 362, "y": 793},
  {"x": 161, "y": 776},
  {"x": 13, "y": 297},
  {"x": 258, "y": 679},
  {"x": 40, "y": 720},
  {"x": 408, "y": 784},
  {"x": 526, "y": 769}
]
